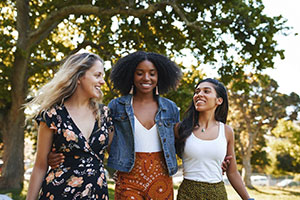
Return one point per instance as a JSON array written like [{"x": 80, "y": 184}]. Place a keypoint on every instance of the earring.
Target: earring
[
  {"x": 131, "y": 90},
  {"x": 156, "y": 90}
]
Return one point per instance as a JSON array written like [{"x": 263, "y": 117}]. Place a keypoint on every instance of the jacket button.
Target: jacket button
[
  {"x": 159, "y": 124},
  {"x": 167, "y": 156},
  {"x": 164, "y": 140}
]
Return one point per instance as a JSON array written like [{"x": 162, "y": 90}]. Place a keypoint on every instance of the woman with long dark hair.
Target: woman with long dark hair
[{"x": 203, "y": 141}]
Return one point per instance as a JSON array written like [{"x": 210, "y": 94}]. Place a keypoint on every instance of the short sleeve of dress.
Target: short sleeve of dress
[{"x": 50, "y": 117}]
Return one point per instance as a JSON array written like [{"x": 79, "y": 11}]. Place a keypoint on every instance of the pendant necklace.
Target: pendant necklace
[{"x": 203, "y": 130}]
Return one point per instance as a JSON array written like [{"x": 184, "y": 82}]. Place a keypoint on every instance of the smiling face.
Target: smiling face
[
  {"x": 92, "y": 80},
  {"x": 145, "y": 77},
  {"x": 205, "y": 97}
]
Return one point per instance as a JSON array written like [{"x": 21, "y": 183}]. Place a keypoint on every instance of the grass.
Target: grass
[
  {"x": 267, "y": 193},
  {"x": 259, "y": 193}
]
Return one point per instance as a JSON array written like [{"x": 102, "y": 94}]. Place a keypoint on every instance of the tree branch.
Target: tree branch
[
  {"x": 80, "y": 46},
  {"x": 55, "y": 17}
]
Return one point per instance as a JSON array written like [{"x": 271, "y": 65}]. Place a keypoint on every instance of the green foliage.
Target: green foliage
[
  {"x": 254, "y": 111},
  {"x": 183, "y": 95},
  {"x": 37, "y": 35},
  {"x": 285, "y": 148}
]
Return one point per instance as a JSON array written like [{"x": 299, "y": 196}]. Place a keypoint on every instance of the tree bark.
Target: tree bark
[
  {"x": 247, "y": 168},
  {"x": 13, "y": 127}
]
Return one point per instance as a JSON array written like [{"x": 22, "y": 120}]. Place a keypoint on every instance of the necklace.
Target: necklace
[{"x": 203, "y": 130}]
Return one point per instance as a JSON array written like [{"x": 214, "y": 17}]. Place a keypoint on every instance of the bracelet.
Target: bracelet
[{"x": 251, "y": 199}]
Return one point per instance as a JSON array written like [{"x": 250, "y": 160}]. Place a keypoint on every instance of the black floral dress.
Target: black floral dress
[{"x": 81, "y": 175}]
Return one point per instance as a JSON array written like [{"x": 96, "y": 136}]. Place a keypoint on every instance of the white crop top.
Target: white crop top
[
  {"x": 146, "y": 140},
  {"x": 202, "y": 159}
]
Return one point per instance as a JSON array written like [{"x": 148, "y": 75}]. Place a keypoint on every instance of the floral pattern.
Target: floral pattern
[{"x": 81, "y": 175}]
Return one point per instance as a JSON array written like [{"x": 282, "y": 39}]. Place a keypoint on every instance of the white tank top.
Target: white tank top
[
  {"x": 145, "y": 140},
  {"x": 202, "y": 159}
]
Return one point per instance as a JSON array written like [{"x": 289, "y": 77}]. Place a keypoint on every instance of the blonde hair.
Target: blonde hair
[{"x": 64, "y": 84}]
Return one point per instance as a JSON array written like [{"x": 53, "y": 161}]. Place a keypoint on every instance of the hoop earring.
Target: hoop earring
[
  {"x": 156, "y": 90},
  {"x": 131, "y": 90}
]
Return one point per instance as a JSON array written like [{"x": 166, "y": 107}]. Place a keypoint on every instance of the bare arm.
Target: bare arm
[
  {"x": 232, "y": 172},
  {"x": 40, "y": 166},
  {"x": 176, "y": 133},
  {"x": 111, "y": 133}
]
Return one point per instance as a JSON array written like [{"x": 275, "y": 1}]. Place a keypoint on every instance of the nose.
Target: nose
[
  {"x": 102, "y": 81},
  {"x": 146, "y": 76}
]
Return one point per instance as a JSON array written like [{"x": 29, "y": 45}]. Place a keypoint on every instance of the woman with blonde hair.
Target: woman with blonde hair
[{"x": 72, "y": 121}]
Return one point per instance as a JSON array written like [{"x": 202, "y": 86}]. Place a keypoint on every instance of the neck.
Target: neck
[
  {"x": 206, "y": 119},
  {"x": 143, "y": 97},
  {"x": 77, "y": 101}
]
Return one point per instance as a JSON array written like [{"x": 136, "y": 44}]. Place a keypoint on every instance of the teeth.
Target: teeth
[
  {"x": 146, "y": 84},
  {"x": 98, "y": 88}
]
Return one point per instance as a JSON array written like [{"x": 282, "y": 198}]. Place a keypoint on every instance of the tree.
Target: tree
[
  {"x": 284, "y": 143},
  {"x": 36, "y": 35},
  {"x": 255, "y": 111}
]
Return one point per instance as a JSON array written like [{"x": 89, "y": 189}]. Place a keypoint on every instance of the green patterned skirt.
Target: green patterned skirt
[{"x": 194, "y": 190}]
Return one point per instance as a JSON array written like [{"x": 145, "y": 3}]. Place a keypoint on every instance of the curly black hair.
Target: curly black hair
[{"x": 122, "y": 74}]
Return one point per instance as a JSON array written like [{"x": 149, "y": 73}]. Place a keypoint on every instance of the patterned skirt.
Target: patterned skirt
[
  {"x": 189, "y": 189},
  {"x": 147, "y": 180}
]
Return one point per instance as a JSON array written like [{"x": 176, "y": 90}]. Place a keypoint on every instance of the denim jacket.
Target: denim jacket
[{"x": 122, "y": 152}]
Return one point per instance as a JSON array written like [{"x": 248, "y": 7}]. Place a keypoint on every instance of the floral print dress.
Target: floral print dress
[{"x": 81, "y": 175}]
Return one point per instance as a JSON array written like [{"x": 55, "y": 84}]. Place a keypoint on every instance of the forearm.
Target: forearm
[
  {"x": 238, "y": 185},
  {"x": 35, "y": 183}
]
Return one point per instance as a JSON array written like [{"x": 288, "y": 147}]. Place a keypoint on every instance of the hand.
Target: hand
[
  {"x": 54, "y": 159},
  {"x": 226, "y": 163},
  {"x": 115, "y": 176}
]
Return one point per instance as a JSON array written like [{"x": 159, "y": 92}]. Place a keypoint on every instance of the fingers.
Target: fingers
[
  {"x": 228, "y": 157},
  {"x": 54, "y": 159}
]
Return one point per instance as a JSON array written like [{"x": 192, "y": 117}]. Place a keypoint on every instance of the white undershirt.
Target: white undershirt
[
  {"x": 202, "y": 159},
  {"x": 146, "y": 140}
]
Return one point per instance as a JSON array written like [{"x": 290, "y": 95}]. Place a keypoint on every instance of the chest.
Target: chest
[
  {"x": 204, "y": 150},
  {"x": 84, "y": 121},
  {"x": 145, "y": 113}
]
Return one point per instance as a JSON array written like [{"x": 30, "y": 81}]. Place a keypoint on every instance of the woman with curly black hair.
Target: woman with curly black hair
[{"x": 143, "y": 149}]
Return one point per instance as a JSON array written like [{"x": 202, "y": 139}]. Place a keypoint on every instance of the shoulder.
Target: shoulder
[
  {"x": 167, "y": 102},
  {"x": 228, "y": 132},
  {"x": 119, "y": 100}
]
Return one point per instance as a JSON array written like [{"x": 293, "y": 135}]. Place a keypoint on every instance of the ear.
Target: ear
[{"x": 219, "y": 101}]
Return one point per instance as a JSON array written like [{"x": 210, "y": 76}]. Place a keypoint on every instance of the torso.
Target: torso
[
  {"x": 202, "y": 158},
  {"x": 145, "y": 112},
  {"x": 84, "y": 120},
  {"x": 81, "y": 175}
]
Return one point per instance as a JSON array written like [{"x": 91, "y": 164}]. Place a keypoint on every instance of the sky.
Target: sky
[{"x": 286, "y": 72}]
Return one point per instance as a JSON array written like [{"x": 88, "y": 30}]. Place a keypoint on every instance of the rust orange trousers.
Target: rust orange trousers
[{"x": 148, "y": 180}]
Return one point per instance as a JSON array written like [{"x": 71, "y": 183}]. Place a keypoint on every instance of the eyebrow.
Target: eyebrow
[
  {"x": 203, "y": 88},
  {"x": 151, "y": 70}
]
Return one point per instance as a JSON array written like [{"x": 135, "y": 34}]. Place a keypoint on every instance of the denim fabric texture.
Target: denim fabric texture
[{"x": 122, "y": 153}]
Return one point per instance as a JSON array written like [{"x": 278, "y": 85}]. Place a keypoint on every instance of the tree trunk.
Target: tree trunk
[
  {"x": 247, "y": 168},
  {"x": 12, "y": 126},
  {"x": 13, "y": 154},
  {"x": 247, "y": 171}
]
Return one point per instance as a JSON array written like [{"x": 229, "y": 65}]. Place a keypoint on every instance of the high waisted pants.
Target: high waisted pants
[{"x": 148, "y": 180}]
